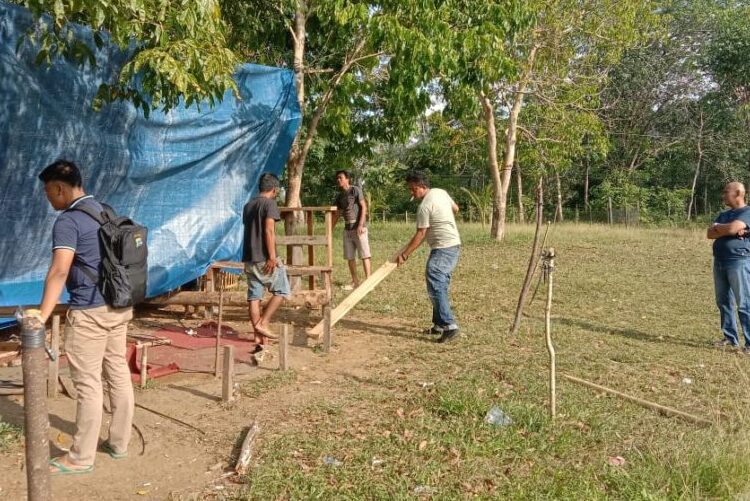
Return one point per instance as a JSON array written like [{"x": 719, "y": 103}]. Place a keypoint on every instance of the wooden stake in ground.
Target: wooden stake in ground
[
  {"x": 218, "y": 333},
  {"x": 144, "y": 365},
  {"x": 645, "y": 403},
  {"x": 283, "y": 345},
  {"x": 35, "y": 415},
  {"x": 548, "y": 268},
  {"x": 356, "y": 296},
  {"x": 227, "y": 380}
]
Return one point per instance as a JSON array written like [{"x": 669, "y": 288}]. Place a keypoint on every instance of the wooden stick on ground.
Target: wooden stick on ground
[
  {"x": 245, "y": 453},
  {"x": 645, "y": 403},
  {"x": 356, "y": 296},
  {"x": 166, "y": 416}
]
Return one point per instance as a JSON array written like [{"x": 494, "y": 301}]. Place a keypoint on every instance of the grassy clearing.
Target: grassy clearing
[{"x": 633, "y": 310}]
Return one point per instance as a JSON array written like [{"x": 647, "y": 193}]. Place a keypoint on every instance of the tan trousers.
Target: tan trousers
[{"x": 95, "y": 346}]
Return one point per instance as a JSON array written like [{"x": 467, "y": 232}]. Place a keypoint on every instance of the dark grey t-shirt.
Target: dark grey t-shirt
[
  {"x": 77, "y": 231},
  {"x": 348, "y": 205},
  {"x": 254, "y": 215}
]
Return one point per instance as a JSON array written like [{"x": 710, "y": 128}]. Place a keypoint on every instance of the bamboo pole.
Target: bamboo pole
[
  {"x": 144, "y": 365},
  {"x": 549, "y": 268},
  {"x": 283, "y": 346},
  {"x": 645, "y": 403}
]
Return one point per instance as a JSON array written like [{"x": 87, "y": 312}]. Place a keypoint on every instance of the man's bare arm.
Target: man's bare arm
[
  {"x": 62, "y": 260},
  {"x": 269, "y": 235},
  {"x": 415, "y": 242},
  {"x": 718, "y": 230}
]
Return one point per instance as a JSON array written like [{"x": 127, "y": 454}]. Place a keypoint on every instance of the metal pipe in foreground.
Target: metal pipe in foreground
[{"x": 36, "y": 417}]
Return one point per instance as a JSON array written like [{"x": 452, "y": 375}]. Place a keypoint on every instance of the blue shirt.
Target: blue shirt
[
  {"x": 79, "y": 232},
  {"x": 733, "y": 247}
]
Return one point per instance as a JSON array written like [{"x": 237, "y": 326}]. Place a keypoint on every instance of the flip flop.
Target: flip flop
[
  {"x": 114, "y": 455},
  {"x": 67, "y": 470},
  {"x": 264, "y": 332}
]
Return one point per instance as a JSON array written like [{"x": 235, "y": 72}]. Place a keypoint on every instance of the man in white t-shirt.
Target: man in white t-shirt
[{"x": 435, "y": 223}]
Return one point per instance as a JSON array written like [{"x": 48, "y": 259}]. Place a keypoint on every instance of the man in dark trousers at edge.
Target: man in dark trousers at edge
[
  {"x": 263, "y": 269},
  {"x": 95, "y": 333},
  {"x": 731, "y": 251}
]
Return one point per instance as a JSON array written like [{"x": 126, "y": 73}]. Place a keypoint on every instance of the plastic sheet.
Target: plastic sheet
[{"x": 185, "y": 174}]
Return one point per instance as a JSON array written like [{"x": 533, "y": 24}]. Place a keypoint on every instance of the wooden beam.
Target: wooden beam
[
  {"x": 317, "y": 209},
  {"x": 308, "y": 299},
  {"x": 243, "y": 462},
  {"x": 9, "y": 311},
  {"x": 301, "y": 240},
  {"x": 356, "y": 296},
  {"x": 144, "y": 365}
]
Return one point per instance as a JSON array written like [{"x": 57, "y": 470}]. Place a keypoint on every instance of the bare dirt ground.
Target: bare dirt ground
[{"x": 182, "y": 463}]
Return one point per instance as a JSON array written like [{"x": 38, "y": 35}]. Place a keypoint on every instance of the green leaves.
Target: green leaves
[{"x": 179, "y": 49}]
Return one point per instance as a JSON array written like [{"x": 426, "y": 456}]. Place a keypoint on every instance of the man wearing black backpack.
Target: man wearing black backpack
[{"x": 95, "y": 333}]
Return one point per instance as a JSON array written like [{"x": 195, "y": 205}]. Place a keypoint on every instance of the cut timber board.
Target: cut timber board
[{"x": 356, "y": 296}]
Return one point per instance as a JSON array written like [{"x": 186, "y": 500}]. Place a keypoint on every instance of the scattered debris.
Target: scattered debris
[
  {"x": 616, "y": 460},
  {"x": 424, "y": 490},
  {"x": 377, "y": 462},
  {"x": 497, "y": 417},
  {"x": 687, "y": 380},
  {"x": 424, "y": 385},
  {"x": 191, "y": 332},
  {"x": 331, "y": 461}
]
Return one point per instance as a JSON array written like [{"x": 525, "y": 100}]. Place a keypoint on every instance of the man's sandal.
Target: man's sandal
[
  {"x": 114, "y": 455},
  {"x": 62, "y": 469}
]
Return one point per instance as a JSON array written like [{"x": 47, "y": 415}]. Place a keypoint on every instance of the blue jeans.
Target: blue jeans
[
  {"x": 438, "y": 272},
  {"x": 732, "y": 284}
]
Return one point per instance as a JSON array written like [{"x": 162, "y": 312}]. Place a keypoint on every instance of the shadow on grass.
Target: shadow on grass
[
  {"x": 393, "y": 330},
  {"x": 628, "y": 333},
  {"x": 13, "y": 413}
]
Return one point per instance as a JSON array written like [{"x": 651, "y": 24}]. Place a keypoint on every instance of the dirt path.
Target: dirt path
[{"x": 180, "y": 463}]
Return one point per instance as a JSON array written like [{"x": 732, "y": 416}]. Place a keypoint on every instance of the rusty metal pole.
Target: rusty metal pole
[{"x": 36, "y": 417}]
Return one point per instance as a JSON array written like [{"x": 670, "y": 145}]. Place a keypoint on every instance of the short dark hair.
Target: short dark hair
[
  {"x": 344, "y": 172},
  {"x": 418, "y": 177},
  {"x": 63, "y": 171},
  {"x": 268, "y": 182}
]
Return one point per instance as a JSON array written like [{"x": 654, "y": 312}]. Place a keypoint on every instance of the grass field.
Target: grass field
[{"x": 633, "y": 310}]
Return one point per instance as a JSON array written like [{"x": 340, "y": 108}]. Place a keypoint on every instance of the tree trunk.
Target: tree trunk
[
  {"x": 558, "y": 205},
  {"x": 519, "y": 188},
  {"x": 499, "y": 195},
  {"x": 697, "y": 169},
  {"x": 497, "y": 231},
  {"x": 586, "y": 189},
  {"x": 296, "y": 162},
  {"x": 533, "y": 259}
]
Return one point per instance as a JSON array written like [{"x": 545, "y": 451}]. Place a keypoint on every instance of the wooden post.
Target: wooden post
[
  {"x": 384, "y": 216},
  {"x": 310, "y": 248},
  {"x": 283, "y": 344},
  {"x": 329, "y": 237},
  {"x": 54, "y": 365},
  {"x": 217, "y": 367},
  {"x": 406, "y": 216},
  {"x": 144, "y": 365},
  {"x": 609, "y": 210},
  {"x": 227, "y": 381},
  {"x": 548, "y": 269},
  {"x": 327, "y": 335}
]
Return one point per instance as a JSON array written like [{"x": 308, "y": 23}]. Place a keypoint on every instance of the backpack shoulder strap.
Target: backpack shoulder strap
[{"x": 96, "y": 216}]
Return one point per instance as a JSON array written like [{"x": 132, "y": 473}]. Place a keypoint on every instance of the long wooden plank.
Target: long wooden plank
[
  {"x": 301, "y": 240},
  {"x": 356, "y": 296}
]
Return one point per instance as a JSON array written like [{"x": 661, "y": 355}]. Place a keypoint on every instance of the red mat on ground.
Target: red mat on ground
[{"x": 198, "y": 352}]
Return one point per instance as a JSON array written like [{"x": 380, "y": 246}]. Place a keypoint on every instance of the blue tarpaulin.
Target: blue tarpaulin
[{"x": 185, "y": 174}]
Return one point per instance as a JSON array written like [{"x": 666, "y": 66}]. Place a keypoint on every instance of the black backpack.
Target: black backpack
[{"x": 122, "y": 277}]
